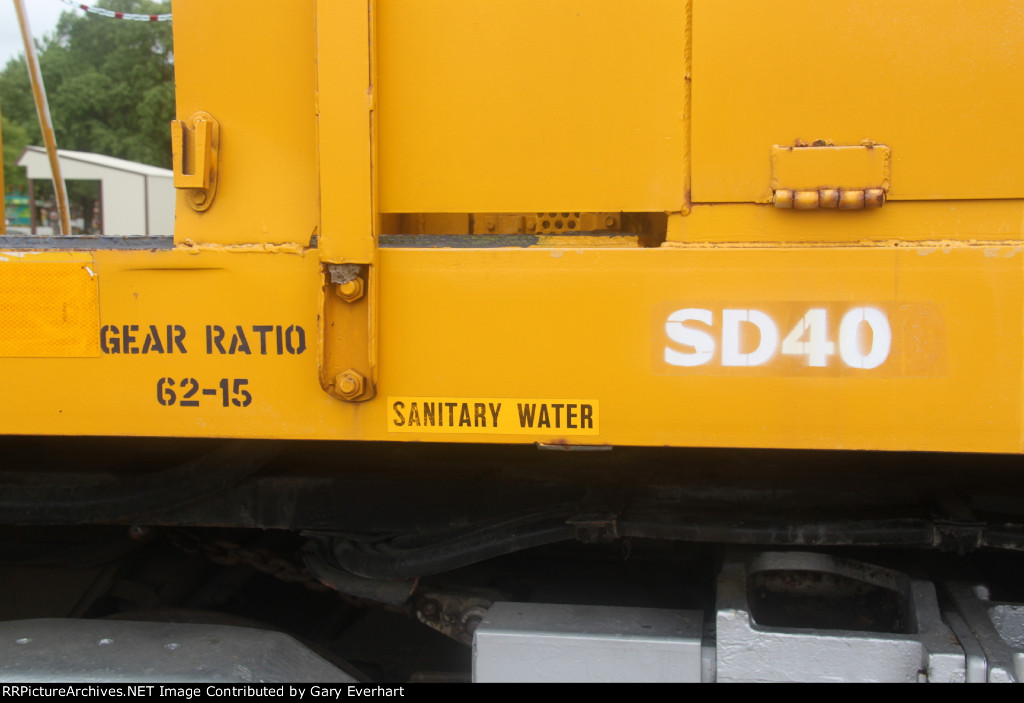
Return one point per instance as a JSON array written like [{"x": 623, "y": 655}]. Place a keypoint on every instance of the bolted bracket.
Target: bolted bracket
[
  {"x": 195, "y": 144},
  {"x": 347, "y": 362},
  {"x": 349, "y": 213}
]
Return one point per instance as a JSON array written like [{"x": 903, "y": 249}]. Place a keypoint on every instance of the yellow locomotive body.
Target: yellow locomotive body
[
  {"x": 382, "y": 132},
  {"x": 580, "y": 224}
]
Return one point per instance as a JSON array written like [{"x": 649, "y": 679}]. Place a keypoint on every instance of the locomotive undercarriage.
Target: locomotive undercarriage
[{"x": 745, "y": 565}]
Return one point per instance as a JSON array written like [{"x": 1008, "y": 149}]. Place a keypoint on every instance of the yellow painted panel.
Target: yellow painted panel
[
  {"x": 543, "y": 324},
  {"x": 252, "y": 66},
  {"x": 49, "y": 305},
  {"x": 897, "y": 223},
  {"x": 811, "y": 168},
  {"x": 346, "y": 96},
  {"x": 540, "y": 323},
  {"x": 530, "y": 105},
  {"x": 936, "y": 81}
]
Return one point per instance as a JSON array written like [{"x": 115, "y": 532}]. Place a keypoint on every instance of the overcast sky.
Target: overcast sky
[{"x": 42, "y": 18}]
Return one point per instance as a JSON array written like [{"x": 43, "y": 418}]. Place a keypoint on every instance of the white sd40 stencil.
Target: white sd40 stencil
[{"x": 787, "y": 338}]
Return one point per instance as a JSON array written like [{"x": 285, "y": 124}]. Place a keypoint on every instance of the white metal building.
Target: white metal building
[{"x": 135, "y": 198}]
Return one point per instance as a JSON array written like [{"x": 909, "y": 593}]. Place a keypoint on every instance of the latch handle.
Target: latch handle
[{"x": 194, "y": 147}]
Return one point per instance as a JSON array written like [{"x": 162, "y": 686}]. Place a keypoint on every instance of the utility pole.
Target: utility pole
[{"x": 43, "y": 111}]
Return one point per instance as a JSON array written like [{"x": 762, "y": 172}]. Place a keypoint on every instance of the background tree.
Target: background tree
[
  {"x": 15, "y": 138},
  {"x": 110, "y": 85}
]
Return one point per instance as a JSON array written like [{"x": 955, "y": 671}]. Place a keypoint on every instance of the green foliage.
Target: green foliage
[
  {"x": 15, "y": 138},
  {"x": 109, "y": 83}
]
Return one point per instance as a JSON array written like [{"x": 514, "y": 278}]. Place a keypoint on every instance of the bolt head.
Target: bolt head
[
  {"x": 351, "y": 291},
  {"x": 472, "y": 618},
  {"x": 350, "y": 384}
]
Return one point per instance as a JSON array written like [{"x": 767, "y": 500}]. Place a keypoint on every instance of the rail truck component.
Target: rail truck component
[{"x": 590, "y": 340}]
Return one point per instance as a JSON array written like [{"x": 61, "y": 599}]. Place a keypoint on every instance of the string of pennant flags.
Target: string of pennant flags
[{"x": 103, "y": 12}]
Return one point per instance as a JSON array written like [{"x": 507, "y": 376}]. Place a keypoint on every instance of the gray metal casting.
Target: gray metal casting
[
  {"x": 748, "y": 651},
  {"x": 977, "y": 663},
  {"x": 113, "y": 651},
  {"x": 535, "y": 642},
  {"x": 996, "y": 628}
]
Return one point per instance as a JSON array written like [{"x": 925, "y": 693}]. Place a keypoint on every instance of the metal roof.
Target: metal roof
[{"x": 98, "y": 160}]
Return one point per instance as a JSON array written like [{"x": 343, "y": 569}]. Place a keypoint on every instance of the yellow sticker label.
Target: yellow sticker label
[{"x": 534, "y": 416}]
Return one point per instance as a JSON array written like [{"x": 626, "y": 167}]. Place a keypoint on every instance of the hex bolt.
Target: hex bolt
[
  {"x": 472, "y": 618},
  {"x": 349, "y": 384},
  {"x": 351, "y": 291},
  {"x": 609, "y": 222},
  {"x": 471, "y": 624}
]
